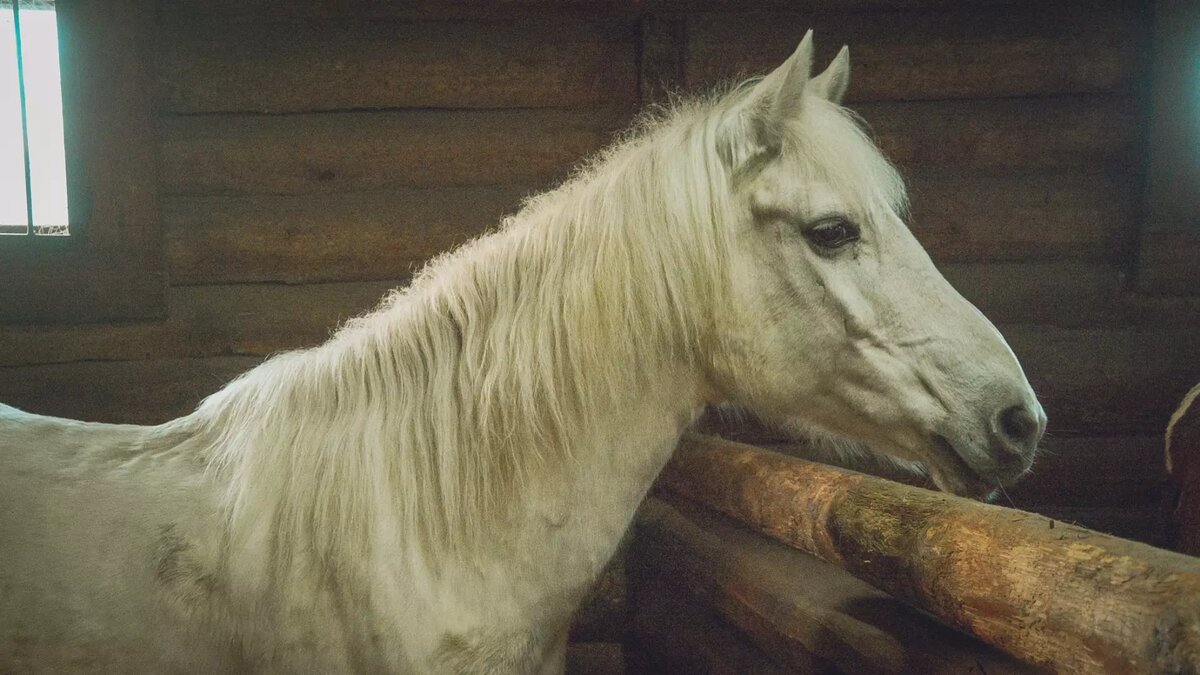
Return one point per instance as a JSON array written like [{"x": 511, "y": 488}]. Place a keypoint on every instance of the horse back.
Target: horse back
[{"x": 92, "y": 516}]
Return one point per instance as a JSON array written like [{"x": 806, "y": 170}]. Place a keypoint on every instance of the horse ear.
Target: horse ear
[
  {"x": 831, "y": 85},
  {"x": 754, "y": 126},
  {"x": 785, "y": 85}
]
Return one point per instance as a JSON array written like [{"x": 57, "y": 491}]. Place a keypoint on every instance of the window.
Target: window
[
  {"x": 33, "y": 171},
  {"x": 110, "y": 267}
]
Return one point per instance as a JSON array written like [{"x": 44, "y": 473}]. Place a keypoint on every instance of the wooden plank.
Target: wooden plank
[
  {"x": 134, "y": 392},
  {"x": 1169, "y": 261},
  {"x": 344, "y": 152},
  {"x": 1098, "y": 382},
  {"x": 1064, "y": 132},
  {"x": 1050, "y": 49},
  {"x": 672, "y": 632},
  {"x": 313, "y": 238},
  {"x": 322, "y": 65},
  {"x": 1059, "y": 597},
  {"x": 985, "y": 216},
  {"x": 243, "y": 320},
  {"x": 802, "y": 612},
  {"x": 373, "y": 235}
]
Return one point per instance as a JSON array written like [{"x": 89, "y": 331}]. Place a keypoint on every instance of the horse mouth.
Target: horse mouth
[{"x": 951, "y": 473}]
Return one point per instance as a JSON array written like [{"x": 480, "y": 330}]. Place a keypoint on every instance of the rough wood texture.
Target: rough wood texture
[
  {"x": 344, "y": 152},
  {"x": 310, "y": 66},
  {"x": 1101, "y": 382},
  {"x": 384, "y": 233},
  {"x": 1050, "y": 49},
  {"x": 804, "y": 613},
  {"x": 244, "y": 320},
  {"x": 1183, "y": 461},
  {"x": 352, "y": 152},
  {"x": 316, "y": 238},
  {"x": 986, "y": 216},
  {"x": 1094, "y": 132},
  {"x": 133, "y": 392},
  {"x": 1051, "y": 594}
]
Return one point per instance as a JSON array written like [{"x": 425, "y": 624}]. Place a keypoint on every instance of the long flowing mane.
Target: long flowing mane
[
  {"x": 499, "y": 358},
  {"x": 492, "y": 365}
]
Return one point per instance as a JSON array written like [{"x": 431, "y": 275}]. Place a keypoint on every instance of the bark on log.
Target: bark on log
[
  {"x": 807, "y": 615},
  {"x": 1054, "y": 595}
]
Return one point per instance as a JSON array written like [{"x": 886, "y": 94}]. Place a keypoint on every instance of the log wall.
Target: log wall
[{"x": 313, "y": 154}]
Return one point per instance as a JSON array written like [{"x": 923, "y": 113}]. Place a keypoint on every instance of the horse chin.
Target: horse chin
[{"x": 952, "y": 474}]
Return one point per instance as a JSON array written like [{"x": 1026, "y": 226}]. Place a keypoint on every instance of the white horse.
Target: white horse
[{"x": 435, "y": 488}]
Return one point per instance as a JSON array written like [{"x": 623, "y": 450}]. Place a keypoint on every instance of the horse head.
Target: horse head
[{"x": 837, "y": 323}]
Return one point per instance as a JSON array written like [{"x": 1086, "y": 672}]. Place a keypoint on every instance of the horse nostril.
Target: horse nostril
[{"x": 1020, "y": 427}]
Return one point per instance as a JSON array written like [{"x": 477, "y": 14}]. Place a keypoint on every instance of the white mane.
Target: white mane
[{"x": 481, "y": 376}]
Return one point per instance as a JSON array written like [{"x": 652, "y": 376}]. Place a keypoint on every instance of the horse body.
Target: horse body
[
  {"x": 435, "y": 488},
  {"x": 143, "y": 574}
]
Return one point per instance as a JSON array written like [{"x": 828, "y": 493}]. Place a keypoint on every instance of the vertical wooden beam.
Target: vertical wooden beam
[{"x": 1169, "y": 240}]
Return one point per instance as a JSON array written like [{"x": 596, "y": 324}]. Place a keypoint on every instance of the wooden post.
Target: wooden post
[{"x": 1051, "y": 594}]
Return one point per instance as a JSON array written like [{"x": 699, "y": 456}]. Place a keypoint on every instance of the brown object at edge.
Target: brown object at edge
[{"x": 1183, "y": 462}]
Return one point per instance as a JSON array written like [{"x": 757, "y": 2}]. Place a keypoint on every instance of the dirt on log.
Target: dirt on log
[{"x": 1052, "y": 594}]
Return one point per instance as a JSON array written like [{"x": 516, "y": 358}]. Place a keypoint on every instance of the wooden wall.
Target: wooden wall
[{"x": 313, "y": 153}]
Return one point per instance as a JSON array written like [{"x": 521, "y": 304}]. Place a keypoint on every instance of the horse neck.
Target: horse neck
[{"x": 490, "y": 374}]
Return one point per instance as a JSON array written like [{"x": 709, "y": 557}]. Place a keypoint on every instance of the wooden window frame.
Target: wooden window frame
[{"x": 110, "y": 267}]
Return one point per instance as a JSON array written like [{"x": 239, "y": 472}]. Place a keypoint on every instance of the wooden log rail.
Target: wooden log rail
[{"x": 1059, "y": 597}]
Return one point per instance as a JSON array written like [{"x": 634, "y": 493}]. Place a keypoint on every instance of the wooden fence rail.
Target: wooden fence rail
[{"x": 1054, "y": 595}]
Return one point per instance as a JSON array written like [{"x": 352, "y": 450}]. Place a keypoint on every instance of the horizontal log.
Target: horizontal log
[
  {"x": 1043, "y": 50},
  {"x": 985, "y": 216},
  {"x": 133, "y": 392},
  {"x": 1099, "y": 382},
  {"x": 1167, "y": 262},
  {"x": 672, "y": 632},
  {"x": 314, "y": 238},
  {"x": 1091, "y": 132},
  {"x": 1059, "y": 597},
  {"x": 323, "y": 65},
  {"x": 802, "y": 612},
  {"x": 976, "y": 217},
  {"x": 361, "y": 151},
  {"x": 354, "y": 152},
  {"x": 202, "y": 321}
]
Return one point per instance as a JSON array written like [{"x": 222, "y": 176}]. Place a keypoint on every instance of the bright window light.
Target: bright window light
[{"x": 33, "y": 186}]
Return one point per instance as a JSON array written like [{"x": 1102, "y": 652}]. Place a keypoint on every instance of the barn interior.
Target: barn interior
[{"x": 245, "y": 175}]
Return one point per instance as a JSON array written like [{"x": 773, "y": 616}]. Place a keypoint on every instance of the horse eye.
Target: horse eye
[{"x": 832, "y": 233}]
